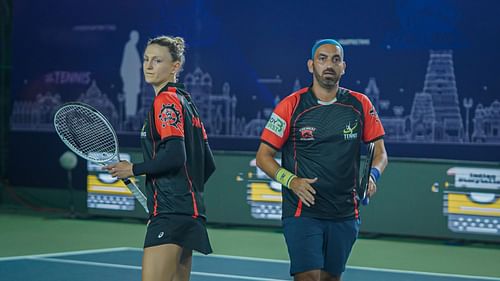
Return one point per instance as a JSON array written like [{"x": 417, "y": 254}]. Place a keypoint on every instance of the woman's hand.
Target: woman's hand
[{"x": 121, "y": 170}]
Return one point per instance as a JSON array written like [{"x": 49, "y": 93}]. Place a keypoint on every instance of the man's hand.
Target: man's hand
[
  {"x": 372, "y": 188},
  {"x": 303, "y": 189}
]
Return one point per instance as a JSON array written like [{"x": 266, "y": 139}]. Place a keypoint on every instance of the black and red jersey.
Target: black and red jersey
[
  {"x": 323, "y": 140},
  {"x": 174, "y": 117}
]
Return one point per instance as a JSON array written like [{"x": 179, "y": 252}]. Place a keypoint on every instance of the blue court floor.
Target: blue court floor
[{"x": 125, "y": 264}]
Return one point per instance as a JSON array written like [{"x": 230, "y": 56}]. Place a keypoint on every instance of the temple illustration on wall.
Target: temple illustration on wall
[
  {"x": 434, "y": 117},
  {"x": 435, "y": 114}
]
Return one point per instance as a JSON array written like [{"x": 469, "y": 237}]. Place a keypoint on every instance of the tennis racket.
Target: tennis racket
[
  {"x": 365, "y": 178},
  {"x": 90, "y": 135}
]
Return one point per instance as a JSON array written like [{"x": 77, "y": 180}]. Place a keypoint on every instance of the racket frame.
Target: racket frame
[
  {"x": 365, "y": 180},
  {"x": 136, "y": 192}
]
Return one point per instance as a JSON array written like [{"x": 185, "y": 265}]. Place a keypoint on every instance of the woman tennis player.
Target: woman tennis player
[{"x": 177, "y": 163}]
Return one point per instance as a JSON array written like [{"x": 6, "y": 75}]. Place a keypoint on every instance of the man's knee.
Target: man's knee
[
  {"x": 313, "y": 275},
  {"x": 325, "y": 276}
]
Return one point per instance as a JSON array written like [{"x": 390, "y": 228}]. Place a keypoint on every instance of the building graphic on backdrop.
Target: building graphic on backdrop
[
  {"x": 218, "y": 112},
  {"x": 35, "y": 115},
  {"x": 100, "y": 101},
  {"x": 434, "y": 117},
  {"x": 435, "y": 112},
  {"x": 441, "y": 86},
  {"x": 487, "y": 123}
]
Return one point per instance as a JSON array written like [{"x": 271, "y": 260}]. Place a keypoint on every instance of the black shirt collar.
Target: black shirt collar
[
  {"x": 341, "y": 93},
  {"x": 172, "y": 84}
]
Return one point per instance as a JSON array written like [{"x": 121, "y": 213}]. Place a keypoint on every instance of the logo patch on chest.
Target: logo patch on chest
[
  {"x": 350, "y": 131},
  {"x": 169, "y": 116},
  {"x": 307, "y": 133}
]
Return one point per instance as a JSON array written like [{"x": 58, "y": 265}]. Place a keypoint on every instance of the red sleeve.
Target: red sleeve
[
  {"x": 277, "y": 128},
  {"x": 169, "y": 120},
  {"x": 373, "y": 128},
  {"x": 205, "y": 136}
]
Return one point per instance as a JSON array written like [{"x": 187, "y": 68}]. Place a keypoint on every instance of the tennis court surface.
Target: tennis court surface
[{"x": 125, "y": 264}]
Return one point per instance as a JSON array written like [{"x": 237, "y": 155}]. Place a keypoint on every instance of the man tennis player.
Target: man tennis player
[{"x": 319, "y": 130}]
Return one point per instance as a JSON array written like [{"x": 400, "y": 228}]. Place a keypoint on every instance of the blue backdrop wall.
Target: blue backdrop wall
[{"x": 430, "y": 67}]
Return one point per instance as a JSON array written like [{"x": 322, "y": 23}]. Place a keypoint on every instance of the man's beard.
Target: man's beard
[{"x": 327, "y": 83}]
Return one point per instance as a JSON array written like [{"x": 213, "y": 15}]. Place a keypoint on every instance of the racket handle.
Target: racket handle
[
  {"x": 365, "y": 201},
  {"x": 137, "y": 193}
]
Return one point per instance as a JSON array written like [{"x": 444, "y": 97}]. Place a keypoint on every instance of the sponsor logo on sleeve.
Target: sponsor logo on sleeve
[{"x": 276, "y": 124}]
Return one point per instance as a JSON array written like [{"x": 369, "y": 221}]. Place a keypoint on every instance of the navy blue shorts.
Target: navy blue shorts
[{"x": 319, "y": 244}]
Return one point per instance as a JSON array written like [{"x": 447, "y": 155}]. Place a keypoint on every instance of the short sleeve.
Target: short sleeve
[
  {"x": 373, "y": 128},
  {"x": 277, "y": 128},
  {"x": 169, "y": 120}
]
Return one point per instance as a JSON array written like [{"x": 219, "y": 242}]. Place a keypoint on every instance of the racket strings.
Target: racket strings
[
  {"x": 91, "y": 141},
  {"x": 88, "y": 139},
  {"x": 87, "y": 133}
]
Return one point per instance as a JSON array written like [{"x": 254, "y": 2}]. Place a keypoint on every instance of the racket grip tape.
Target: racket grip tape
[{"x": 137, "y": 193}]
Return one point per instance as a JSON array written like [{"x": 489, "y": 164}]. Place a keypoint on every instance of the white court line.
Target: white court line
[
  {"x": 362, "y": 268},
  {"x": 228, "y": 257},
  {"x": 424, "y": 273},
  {"x": 255, "y": 259},
  {"x": 352, "y": 267},
  {"x": 92, "y": 263},
  {"x": 62, "y": 254},
  {"x": 121, "y": 266},
  {"x": 357, "y": 267}
]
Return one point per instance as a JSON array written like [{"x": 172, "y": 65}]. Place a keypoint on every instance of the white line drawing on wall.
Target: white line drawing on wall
[
  {"x": 131, "y": 74},
  {"x": 434, "y": 117},
  {"x": 487, "y": 123},
  {"x": 435, "y": 114}
]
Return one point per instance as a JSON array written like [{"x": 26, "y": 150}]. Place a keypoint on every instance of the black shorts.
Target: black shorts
[{"x": 183, "y": 230}]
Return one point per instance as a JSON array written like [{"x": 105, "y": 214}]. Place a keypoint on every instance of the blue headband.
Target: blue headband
[{"x": 323, "y": 42}]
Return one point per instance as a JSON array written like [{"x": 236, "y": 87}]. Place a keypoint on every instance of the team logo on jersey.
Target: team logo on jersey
[
  {"x": 307, "y": 133},
  {"x": 169, "y": 116},
  {"x": 349, "y": 131},
  {"x": 276, "y": 124}
]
